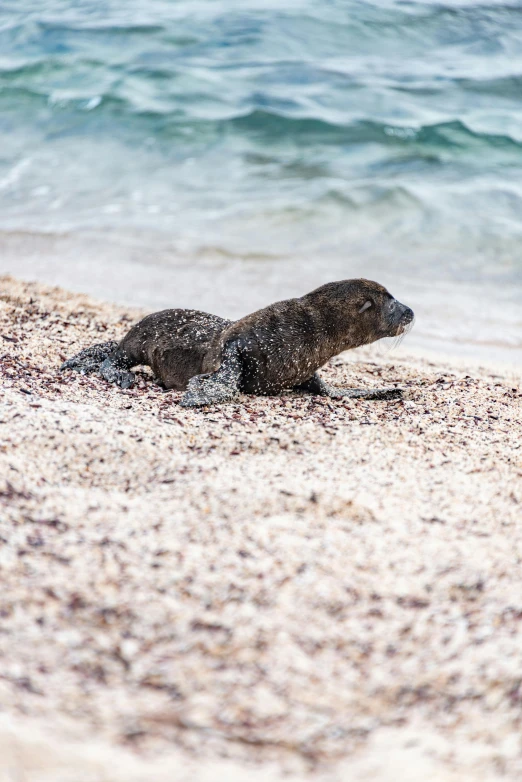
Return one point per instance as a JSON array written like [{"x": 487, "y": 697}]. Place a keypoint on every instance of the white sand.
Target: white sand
[{"x": 285, "y": 584}]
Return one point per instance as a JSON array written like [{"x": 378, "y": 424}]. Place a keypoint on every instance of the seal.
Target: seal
[{"x": 280, "y": 346}]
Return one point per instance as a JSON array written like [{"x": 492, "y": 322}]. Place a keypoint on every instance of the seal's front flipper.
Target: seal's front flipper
[
  {"x": 220, "y": 386},
  {"x": 90, "y": 359},
  {"x": 367, "y": 393},
  {"x": 318, "y": 386}
]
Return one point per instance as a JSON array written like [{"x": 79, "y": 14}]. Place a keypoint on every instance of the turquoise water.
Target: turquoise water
[{"x": 219, "y": 153}]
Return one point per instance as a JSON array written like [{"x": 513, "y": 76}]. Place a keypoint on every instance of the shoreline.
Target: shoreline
[
  {"x": 277, "y": 585},
  {"x": 454, "y": 318}
]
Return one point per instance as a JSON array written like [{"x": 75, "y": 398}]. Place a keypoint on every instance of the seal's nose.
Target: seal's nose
[{"x": 407, "y": 314}]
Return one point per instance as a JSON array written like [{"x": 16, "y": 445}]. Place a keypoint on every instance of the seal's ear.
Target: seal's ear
[{"x": 365, "y": 306}]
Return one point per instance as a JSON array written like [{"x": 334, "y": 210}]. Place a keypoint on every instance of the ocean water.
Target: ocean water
[{"x": 223, "y": 154}]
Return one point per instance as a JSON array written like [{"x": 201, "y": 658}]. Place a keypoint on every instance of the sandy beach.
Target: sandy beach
[{"x": 288, "y": 585}]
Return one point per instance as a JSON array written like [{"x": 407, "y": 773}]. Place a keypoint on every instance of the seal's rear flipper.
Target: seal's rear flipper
[
  {"x": 220, "y": 386},
  {"x": 114, "y": 371},
  {"x": 90, "y": 359},
  {"x": 104, "y": 358},
  {"x": 317, "y": 385}
]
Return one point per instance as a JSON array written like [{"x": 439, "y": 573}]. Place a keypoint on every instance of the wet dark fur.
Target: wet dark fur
[
  {"x": 278, "y": 347},
  {"x": 174, "y": 343}
]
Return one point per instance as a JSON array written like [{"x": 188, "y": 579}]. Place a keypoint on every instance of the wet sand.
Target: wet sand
[{"x": 279, "y": 585}]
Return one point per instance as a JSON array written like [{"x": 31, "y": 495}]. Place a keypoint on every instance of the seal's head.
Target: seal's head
[
  {"x": 361, "y": 311},
  {"x": 380, "y": 312}
]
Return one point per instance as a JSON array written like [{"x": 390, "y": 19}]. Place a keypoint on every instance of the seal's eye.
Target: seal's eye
[{"x": 366, "y": 306}]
